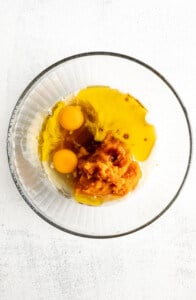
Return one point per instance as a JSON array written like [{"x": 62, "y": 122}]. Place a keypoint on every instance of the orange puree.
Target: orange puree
[{"x": 109, "y": 171}]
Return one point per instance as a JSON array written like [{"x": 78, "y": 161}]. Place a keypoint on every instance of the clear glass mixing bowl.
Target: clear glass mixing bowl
[{"x": 163, "y": 173}]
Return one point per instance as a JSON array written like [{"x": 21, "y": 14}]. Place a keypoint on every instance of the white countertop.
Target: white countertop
[{"x": 38, "y": 261}]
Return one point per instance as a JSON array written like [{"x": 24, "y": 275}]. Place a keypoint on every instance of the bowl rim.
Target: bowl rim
[{"x": 16, "y": 108}]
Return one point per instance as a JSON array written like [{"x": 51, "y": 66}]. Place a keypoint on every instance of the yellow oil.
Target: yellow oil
[{"x": 123, "y": 115}]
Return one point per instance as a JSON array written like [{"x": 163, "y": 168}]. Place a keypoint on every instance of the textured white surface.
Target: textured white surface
[{"x": 36, "y": 260}]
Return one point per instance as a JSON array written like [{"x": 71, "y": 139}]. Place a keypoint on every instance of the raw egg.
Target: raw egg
[
  {"x": 71, "y": 117},
  {"x": 65, "y": 161}
]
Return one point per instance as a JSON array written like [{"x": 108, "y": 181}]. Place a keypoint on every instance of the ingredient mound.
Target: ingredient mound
[
  {"x": 110, "y": 170},
  {"x": 93, "y": 142}
]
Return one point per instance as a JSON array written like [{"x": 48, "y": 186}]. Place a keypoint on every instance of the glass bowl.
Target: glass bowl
[{"x": 164, "y": 172}]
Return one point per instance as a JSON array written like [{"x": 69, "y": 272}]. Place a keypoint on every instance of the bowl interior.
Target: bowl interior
[{"x": 163, "y": 173}]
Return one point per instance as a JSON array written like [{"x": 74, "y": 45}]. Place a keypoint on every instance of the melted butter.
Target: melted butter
[
  {"x": 95, "y": 201},
  {"x": 110, "y": 110},
  {"x": 51, "y": 134}
]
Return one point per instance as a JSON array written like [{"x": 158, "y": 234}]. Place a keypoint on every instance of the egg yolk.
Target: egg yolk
[
  {"x": 71, "y": 117},
  {"x": 65, "y": 161}
]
